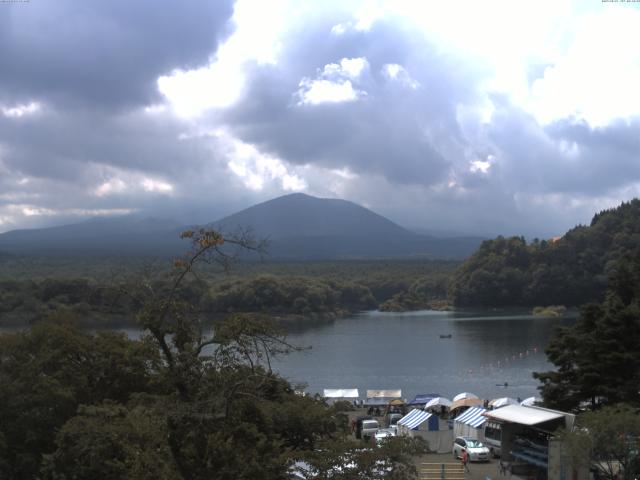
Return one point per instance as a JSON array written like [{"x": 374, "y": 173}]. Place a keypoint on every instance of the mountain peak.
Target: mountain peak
[
  {"x": 299, "y": 226},
  {"x": 302, "y": 215}
]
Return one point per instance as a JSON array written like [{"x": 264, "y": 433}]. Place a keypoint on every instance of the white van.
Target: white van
[
  {"x": 369, "y": 428},
  {"x": 393, "y": 421}
]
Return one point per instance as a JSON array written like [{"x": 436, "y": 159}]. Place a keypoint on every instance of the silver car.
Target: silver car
[{"x": 475, "y": 448}]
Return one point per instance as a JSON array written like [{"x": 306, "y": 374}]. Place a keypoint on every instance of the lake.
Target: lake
[{"x": 377, "y": 350}]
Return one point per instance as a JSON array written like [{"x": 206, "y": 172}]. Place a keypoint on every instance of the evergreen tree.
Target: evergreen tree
[{"x": 598, "y": 359}]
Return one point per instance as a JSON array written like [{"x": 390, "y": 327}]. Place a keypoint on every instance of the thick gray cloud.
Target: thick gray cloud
[
  {"x": 106, "y": 54},
  {"x": 568, "y": 156},
  {"x": 410, "y": 137},
  {"x": 71, "y": 161},
  {"x": 90, "y": 146},
  {"x": 407, "y": 128},
  {"x": 404, "y": 128}
]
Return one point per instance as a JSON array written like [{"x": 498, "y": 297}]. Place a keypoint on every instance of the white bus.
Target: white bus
[{"x": 493, "y": 438}]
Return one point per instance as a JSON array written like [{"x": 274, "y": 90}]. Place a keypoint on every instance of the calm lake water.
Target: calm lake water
[{"x": 376, "y": 350}]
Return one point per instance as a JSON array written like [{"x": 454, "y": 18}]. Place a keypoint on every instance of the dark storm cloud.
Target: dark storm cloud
[
  {"x": 403, "y": 128},
  {"x": 91, "y": 67},
  {"x": 61, "y": 144},
  {"x": 567, "y": 156},
  {"x": 421, "y": 147},
  {"x": 106, "y": 54},
  {"x": 73, "y": 154},
  {"x": 608, "y": 157}
]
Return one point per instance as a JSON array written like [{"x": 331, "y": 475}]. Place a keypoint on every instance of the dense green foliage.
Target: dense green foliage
[
  {"x": 571, "y": 271},
  {"x": 101, "y": 305},
  {"x": 425, "y": 292},
  {"x": 183, "y": 402},
  {"x": 47, "y": 372},
  {"x": 608, "y": 440},
  {"x": 597, "y": 359},
  {"x": 284, "y": 295},
  {"x": 315, "y": 288}
]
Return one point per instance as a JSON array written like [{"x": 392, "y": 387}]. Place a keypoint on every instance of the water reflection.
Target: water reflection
[{"x": 377, "y": 350}]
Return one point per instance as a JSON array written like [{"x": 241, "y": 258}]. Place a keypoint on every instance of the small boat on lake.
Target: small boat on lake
[{"x": 445, "y": 336}]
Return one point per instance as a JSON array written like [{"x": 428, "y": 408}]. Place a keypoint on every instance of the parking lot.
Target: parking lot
[{"x": 477, "y": 471}]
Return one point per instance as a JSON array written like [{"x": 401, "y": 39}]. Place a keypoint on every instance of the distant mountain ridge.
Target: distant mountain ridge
[
  {"x": 298, "y": 226},
  {"x": 103, "y": 236}
]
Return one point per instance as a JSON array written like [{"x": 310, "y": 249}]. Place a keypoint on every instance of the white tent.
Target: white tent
[
  {"x": 418, "y": 423},
  {"x": 335, "y": 394},
  {"x": 470, "y": 423},
  {"x": 502, "y": 402},
  {"x": 341, "y": 393},
  {"x": 530, "y": 402},
  {"x": 464, "y": 395},
  {"x": 438, "y": 402},
  {"x": 382, "y": 397}
]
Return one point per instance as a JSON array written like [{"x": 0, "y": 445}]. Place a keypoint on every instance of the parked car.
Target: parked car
[
  {"x": 392, "y": 420},
  {"x": 366, "y": 427},
  {"x": 475, "y": 448}
]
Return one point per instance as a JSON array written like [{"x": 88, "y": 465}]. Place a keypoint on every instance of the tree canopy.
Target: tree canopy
[
  {"x": 597, "y": 359},
  {"x": 571, "y": 270},
  {"x": 185, "y": 401},
  {"x": 608, "y": 439}
]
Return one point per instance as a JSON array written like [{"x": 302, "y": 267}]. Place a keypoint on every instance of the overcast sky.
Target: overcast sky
[{"x": 484, "y": 117}]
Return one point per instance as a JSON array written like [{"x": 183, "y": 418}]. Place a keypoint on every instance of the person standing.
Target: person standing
[{"x": 465, "y": 460}]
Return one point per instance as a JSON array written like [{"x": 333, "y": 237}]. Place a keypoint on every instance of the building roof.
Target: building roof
[
  {"x": 473, "y": 417},
  {"x": 340, "y": 393},
  {"x": 384, "y": 393},
  {"x": 414, "y": 418},
  {"x": 524, "y": 415}
]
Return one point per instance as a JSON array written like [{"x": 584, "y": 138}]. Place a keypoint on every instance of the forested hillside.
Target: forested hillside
[
  {"x": 101, "y": 295},
  {"x": 571, "y": 270},
  {"x": 288, "y": 295}
]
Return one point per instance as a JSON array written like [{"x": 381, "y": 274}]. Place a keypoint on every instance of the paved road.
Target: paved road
[{"x": 477, "y": 471}]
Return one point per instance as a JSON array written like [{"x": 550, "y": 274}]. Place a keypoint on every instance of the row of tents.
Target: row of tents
[
  {"x": 426, "y": 419},
  {"x": 425, "y": 400},
  {"x": 438, "y": 432},
  {"x": 373, "y": 398}
]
